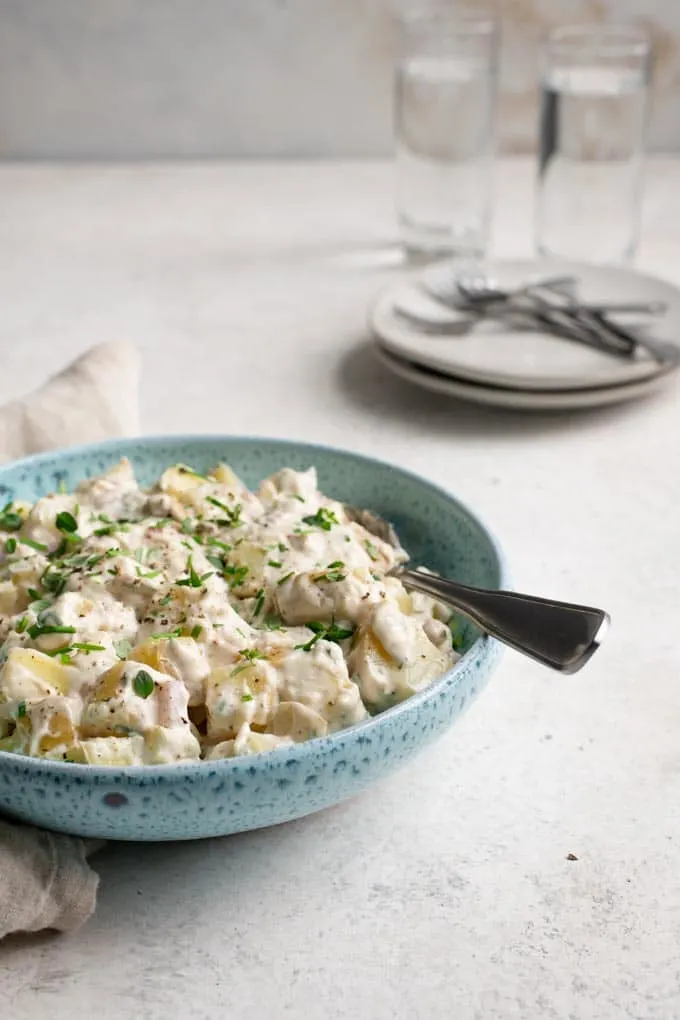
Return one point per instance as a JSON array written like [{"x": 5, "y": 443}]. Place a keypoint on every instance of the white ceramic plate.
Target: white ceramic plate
[
  {"x": 518, "y": 399},
  {"x": 493, "y": 355}
]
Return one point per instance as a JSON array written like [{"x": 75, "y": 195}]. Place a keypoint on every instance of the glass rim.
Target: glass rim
[
  {"x": 606, "y": 40},
  {"x": 472, "y": 23}
]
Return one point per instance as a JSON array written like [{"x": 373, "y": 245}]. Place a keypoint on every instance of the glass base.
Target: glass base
[{"x": 423, "y": 244}]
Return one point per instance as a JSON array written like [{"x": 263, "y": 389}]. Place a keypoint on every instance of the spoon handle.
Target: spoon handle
[{"x": 558, "y": 634}]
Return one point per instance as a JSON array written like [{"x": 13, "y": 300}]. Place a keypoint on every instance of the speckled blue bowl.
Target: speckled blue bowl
[{"x": 200, "y": 799}]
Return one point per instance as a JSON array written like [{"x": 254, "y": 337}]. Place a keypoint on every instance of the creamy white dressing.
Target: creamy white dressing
[{"x": 199, "y": 619}]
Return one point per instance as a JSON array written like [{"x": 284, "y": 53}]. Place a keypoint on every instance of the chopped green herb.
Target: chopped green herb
[
  {"x": 196, "y": 632},
  {"x": 38, "y": 630},
  {"x": 259, "y": 602},
  {"x": 22, "y": 624},
  {"x": 323, "y": 518},
  {"x": 301, "y": 499},
  {"x": 218, "y": 504},
  {"x": 34, "y": 595},
  {"x": 333, "y": 572},
  {"x": 63, "y": 653},
  {"x": 235, "y": 575},
  {"x": 21, "y": 710},
  {"x": 187, "y": 526},
  {"x": 66, "y": 522},
  {"x": 274, "y": 563},
  {"x": 246, "y": 697},
  {"x": 167, "y": 634},
  {"x": 216, "y": 560},
  {"x": 109, "y": 529},
  {"x": 166, "y": 600},
  {"x": 122, "y": 648},
  {"x": 271, "y": 622},
  {"x": 371, "y": 549},
  {"x": 9, "y": 520},
  {"x": 325, "y": 632},
  {"x": 233, "y": 514},
  {"x": 220, "y": 545},
  {"x": 53, "y": 581},
  {"x": 143, "y": 684},
  {"x": 194, "y": 580},
  {"x": 10, "y": 546},
  {"x": 47, "y": 617},
  {"x": 283, "y": 547},
  {"x": 147, "y": 575},
  {"x": 285, "y": 577},
  {"x": 248, "y": 655},
  {"x": 85, "y": 647}
]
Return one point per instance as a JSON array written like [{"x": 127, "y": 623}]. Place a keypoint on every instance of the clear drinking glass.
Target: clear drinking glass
[
  {"x": 594, "y": 102},
  {"x": 444, "y": 113}
]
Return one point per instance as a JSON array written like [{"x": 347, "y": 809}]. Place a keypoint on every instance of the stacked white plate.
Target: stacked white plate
[{"x": 493, "y": 364}]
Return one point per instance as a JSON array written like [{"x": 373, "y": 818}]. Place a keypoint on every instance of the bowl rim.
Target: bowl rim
[{"x": 484, "y": 647}]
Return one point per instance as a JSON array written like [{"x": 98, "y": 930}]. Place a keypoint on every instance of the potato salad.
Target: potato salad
[{"x": 200, "y": 620}]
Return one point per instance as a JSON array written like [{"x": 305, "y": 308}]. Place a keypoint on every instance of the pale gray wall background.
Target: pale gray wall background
[{"x": 191, "y": 78}]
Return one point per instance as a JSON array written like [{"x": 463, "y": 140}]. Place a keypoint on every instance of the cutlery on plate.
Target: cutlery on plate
[{"x": 561, "y": 635}]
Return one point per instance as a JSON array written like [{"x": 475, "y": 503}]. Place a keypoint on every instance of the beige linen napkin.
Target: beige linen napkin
[{"x": 45, "y": 880}]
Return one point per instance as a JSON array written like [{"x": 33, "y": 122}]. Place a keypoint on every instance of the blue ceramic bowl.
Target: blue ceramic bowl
[{"x": 198, "y": 799}]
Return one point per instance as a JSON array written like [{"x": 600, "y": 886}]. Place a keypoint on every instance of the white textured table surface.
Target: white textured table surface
[{"x": 444, "y": 892}]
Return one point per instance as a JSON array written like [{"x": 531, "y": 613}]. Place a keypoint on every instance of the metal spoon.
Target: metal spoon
[{"x": 561, "y": 635}]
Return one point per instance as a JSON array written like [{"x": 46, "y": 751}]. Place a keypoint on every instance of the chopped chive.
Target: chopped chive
[
  {"x": 21, "y": 710},
  {"x": 259, "y": 602},
  {"x": 10, "y": 546},
  {"x": 301, "y": 499},
  {"x": 221, "y": 545},
  {"x": 38, "y": 630},
  {"x": 22, "y": 624},
  {"x": 194, "y": 580},
  {"x": 218, "y": 503},
  {"x": 370, "y": 549},
  {"x": 85, "y": 647},
  {"x": 246, "y": 697},
  {"x": 285, "y": 577},
  {"x": 34, "y": 545},
  {"x": 196, "y": 632},
  {"x": 323, "y": 518},
  {"x": 249, "y": 655},
  {"x": 325, "y": 632},
  {"x": 235, "y": 575},
  {"x": 167, "y": 634},
  {"x": 274, "y": 563}
]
